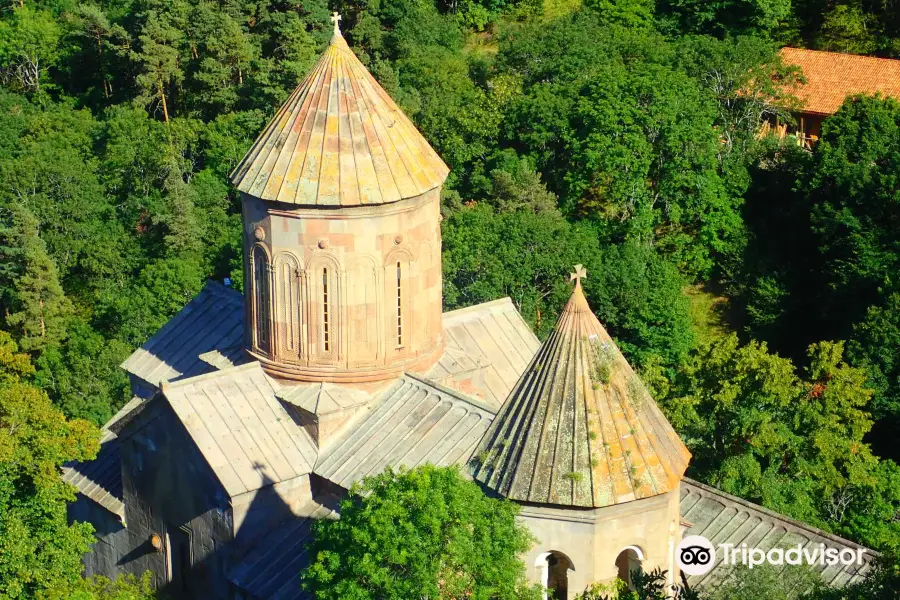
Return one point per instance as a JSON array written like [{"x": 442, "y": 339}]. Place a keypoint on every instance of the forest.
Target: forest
[{"x": 754, "y": 284}]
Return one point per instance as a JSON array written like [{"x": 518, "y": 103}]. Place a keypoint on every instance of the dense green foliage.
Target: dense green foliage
[
  {"x": 425, "y": 533},
  {"x": 619, "y": 134},
  {"x": 40, "y": 554},
  {"x": 792, "y": 442},
  {"x": 40, "y": 551}
]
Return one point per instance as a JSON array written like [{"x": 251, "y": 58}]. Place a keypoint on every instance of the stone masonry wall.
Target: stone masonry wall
[
  {"x": 337, "y": 308},
  {"x": 168, "y": 488}
]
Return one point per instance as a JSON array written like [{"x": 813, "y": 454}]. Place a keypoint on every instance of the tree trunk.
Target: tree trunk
[
  {"x": 106, "y": 89},
  {"x": 162, "y": 95}
]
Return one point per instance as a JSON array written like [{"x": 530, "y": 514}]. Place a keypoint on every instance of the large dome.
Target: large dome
[{"x": 339, "y": 140}]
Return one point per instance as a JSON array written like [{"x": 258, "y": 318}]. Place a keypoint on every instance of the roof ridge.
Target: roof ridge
[
  {"x": 847, "y": 54},
  {"x": 505, "y": 301},
  {"x": 212, "y": 375},
  {"x": 459, "y": 395}
]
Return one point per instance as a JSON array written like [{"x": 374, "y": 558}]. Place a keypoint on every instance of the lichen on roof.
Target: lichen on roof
[
  {"x": 579, "y": 428},
  {"x": 339, "y": 140}
]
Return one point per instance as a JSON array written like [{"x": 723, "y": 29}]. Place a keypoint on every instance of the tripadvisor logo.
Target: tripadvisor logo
[{"x": 696, "y": 555}]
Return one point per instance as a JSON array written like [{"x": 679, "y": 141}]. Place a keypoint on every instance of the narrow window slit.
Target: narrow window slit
[
  {"x": 399, "y": 305},
  {"x": 325, "y": 338}
]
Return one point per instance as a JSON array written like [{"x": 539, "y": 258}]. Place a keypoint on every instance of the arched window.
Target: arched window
[
  {"x": 400, "y": 330},
  {"x": 554, "y": 568},
  {"x": 262, "y": 300},
  {"x": 325, "y": 310},
  {"x": 289, "y": 308},
  {"x": 628, "y": 561}
]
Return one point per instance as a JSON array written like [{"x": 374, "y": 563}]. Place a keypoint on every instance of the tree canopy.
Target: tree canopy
[
  {"x": 424, "y": 533},
  {"x": 618, "y": 134}
]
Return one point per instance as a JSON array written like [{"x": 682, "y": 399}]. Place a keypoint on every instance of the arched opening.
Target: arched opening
[
  {"x": 288, "y": 308},
  {"x": 262, "y": 300},
  {"x": 325, "y": 310},
  {"x": 628, "y": 561},
  {"x": 555, "y": 567}
]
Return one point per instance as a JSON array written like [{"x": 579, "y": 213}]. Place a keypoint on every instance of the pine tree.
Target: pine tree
[
  {"x": 160, "y": 63},
  {"x": 38, "y": 310}
]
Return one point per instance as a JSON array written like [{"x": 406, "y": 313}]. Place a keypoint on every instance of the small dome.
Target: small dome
[
  {"x": 339, "y": 140},
  {"x": 580, "y": 428}
]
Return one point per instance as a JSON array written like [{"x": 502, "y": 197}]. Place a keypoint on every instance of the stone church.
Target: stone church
[{"x": 254, "y": 414}]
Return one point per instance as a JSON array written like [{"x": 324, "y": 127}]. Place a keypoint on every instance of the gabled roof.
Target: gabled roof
[
  {"x": 273, "y": 569},
  {"x": 491, "y": 344},
  {"x": 324, "y": 398},
  {"x": 240, "y": 427},
  {"x": 100, "y": 479},
  {"x": 339, "y": 140},
  {"x": 831, "y": 77},
  {"x": 580, "y": 428},
  {"x": 416, "y": 422},
  {"x": 213, "y": 320},
  {"x": 726, "y": 519}
]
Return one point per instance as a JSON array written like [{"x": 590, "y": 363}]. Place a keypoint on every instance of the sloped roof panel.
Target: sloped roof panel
[
  {"x": 491, "y": 338},
  {"x": 339, "y": 140},
  {"x": 580, "y": 428},
  {"x": 726, "y": 519},
  {"x": 240, "y": 427},
  {"x": 416, "y": 422},
  {"x": 100, "y": 479},
  {"x": 273, "y": 569},
  {"x": 831, "y": 77},
  {"x": 212, "y": 321}
]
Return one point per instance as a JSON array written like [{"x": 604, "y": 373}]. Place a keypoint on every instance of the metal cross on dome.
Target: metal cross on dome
[
  {"x": 579, "y": 274},
  {"x": 336, "y": 19}
]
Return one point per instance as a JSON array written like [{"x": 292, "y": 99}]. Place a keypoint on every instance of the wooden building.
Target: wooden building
[{"x": 830, "y": 78}]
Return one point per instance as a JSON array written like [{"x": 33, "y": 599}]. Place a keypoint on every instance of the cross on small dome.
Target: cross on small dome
[
  {"x": 579, "y": 274},
  {"x": 336, "y": 19}
]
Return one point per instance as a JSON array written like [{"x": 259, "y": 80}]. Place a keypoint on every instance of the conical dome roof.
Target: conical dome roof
[
  {"x": 580, "y": 428},
  {"x": 339, "y": 140}
]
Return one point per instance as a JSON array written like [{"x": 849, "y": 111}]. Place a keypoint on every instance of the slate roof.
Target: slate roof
[
  {"x": 272, "y": 570},
  {"x": 580, "y": 428},
  {"x": 416, "y": 422},
  {"x": 212, "y": 321},
  {"x": 324, "y": 398},
  {"x": 339, "y": 140},
  {"x": 831, "y": 77},
  {"x": 492, "y": 338},
  {"x": 240, "y": 427},
  {"x": 101, "y": 479},
  {"x": 723, "y": 518}
]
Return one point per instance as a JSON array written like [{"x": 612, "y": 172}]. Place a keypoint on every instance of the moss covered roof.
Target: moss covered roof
[{"x": 580, "y": 428}]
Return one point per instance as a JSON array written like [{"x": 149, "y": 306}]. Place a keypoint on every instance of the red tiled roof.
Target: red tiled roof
[{"x": 831, "y": 77}]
